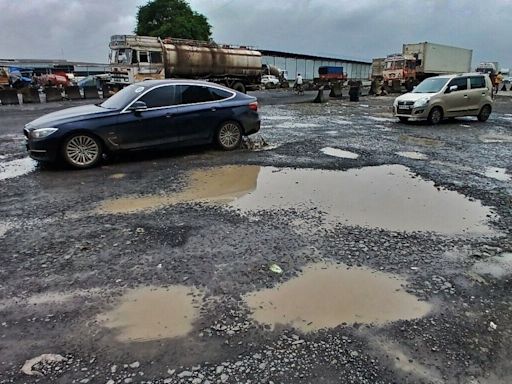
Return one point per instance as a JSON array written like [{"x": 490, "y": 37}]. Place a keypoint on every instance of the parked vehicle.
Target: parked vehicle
[
  {"x": 490, "y": 67},
  {"x": 138, "y": 58},
  {"x": 440, "y": 97},
  {"x": 378, "y": 65},
  {"x": 280, "y": 74},
  {"x": 331, "y": 74},
  {"x": 150, "y": 114},
  {"x": 420, "y": 61},
  {"x": 270, "y": 80}
]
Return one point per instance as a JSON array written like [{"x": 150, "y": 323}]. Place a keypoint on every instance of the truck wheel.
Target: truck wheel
[
  {"x": 435, "y": 116},
  {"x": 229, "y": 135},
  {"x": 238, "y": 86},
  {"x": 484, "y": 113}
]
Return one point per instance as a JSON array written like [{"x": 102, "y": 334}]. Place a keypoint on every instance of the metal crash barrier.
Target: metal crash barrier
[
  {"x": 9, "y": 96},
  {"x": 73, "y": 93},
  {"x": 53, "y": 94},
  {"x": 30, "y": 95},
  {"x": 91, "y": 93}
]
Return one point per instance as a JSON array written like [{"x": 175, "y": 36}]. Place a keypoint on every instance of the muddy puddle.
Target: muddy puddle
[
  {"x": 497, "y": 266},
  {"x": 336, "y": 152},
  {"x": 418, "y": 140},
  {"x": 328, "y": 295},
  {"x": 15, "y": 168},
  {"x": 222, "y": 184},
  {"x": 389, "y": 197},
  {"x": 153, "y": 313},
  {"x": 117, "y": 176},
  {"x": 496, "y": 138},
  {"x": 413, "y": 155},
  {"x": 497, "y": 174}
]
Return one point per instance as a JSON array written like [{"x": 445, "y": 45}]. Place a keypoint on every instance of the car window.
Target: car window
[
  {"x": 477, "y": 82},
  {"x": 219, "y": 94},
  {"x": 122, "y": 98},
  {"x": 460, "y": 82},
  {"x": 190, "y": 94},
  {"x": 159, "y": 97}
]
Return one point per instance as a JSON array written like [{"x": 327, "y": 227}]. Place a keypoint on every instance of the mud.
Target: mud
[{"x": 326, "y": 296}]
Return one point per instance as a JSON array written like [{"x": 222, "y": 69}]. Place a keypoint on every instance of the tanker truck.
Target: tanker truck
[{"x": 137, "y": 58}]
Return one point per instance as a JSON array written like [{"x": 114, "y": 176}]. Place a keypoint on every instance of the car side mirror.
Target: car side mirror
[
  {"x": 138, "y": 106},
  {"x": 452, "y": 88}
]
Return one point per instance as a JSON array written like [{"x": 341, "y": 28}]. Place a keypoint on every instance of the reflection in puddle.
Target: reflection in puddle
[
  {"x": 297, "y": 125},
  {"x": 15, "y": 168},
  {"x": 413, "y": 155},
  {"x": 497, "y": 173},
  {"x": 381, "y": 119},
  {"x": 151, "y": 313},
  {"x": 326, "y": 296},
  {"x": 208, "y": 185},
  {"x": 336, "y": 152},
  {"x": 416, "y": 140},
  {"x": 117, "y": 176},
  {"x": 496, "y": 138},
  {"x": 389, "y": 197}
]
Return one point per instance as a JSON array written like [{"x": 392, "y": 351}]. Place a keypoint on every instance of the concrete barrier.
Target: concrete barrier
[
  {"x": 9, "y": 96},
  {"x": 73, "y": 92},
  {"x": 320, "y": 97},
  {"x": 395, "y": 86},
  {"x": 91, "y": 93},
  {"x": 336, "y": 91},
  {"x": 30, "y": 95},
  {"x": 53, "y": 94}
]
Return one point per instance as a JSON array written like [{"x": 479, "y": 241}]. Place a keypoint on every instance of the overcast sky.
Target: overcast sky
[{"x": 352, "y": 29}]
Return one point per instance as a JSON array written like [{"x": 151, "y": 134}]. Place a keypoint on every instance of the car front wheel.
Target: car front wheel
[
  {"x": 435, "y": 116},
  {"x": 82, "y": 150},
  {"x": 229, "y": 135},
  {"x": 484, "y": 113}
]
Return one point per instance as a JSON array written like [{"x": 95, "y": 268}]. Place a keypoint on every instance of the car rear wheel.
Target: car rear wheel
[
  {"x": 82, "y": 150},
  {"x": 229, "y": 135},
  {"x": 403, "y": 119},
  {"x": 484, "y": 113},
  {"x": 435, "y": 116}
]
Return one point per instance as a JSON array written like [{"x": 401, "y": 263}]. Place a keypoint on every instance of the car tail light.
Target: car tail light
[{"x": 254, "y": 106}]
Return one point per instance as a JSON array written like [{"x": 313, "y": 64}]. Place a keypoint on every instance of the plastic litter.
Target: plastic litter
[{"x": 276, "y": 269}]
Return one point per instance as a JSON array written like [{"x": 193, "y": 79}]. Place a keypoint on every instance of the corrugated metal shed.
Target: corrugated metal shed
[{"x": 307, "y": 65}]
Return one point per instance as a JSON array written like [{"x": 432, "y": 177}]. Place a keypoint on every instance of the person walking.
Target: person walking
[
  {"x": 298, "y": 84},
  {"x": 497, "y": 82}
]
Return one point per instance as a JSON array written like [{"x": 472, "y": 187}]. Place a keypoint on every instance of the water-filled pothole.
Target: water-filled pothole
[
  {"x": 327, "y": 295},
  {"x": 15, "y": 168},
  {"x": 389, "y": 197},
  {"x": 151, "y": 313},
  {"x": 413, "y": 155},
  {"x": 497, "y": 173},
  {"x": 336, "y": 152}
]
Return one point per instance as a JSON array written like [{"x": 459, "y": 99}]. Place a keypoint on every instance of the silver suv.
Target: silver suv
[{"x": 435, "y": 98}]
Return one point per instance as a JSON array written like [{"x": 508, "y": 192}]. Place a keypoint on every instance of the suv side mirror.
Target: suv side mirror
[
  {"x": 138, "y": 106},
  {"x": 452, "y": 88}
]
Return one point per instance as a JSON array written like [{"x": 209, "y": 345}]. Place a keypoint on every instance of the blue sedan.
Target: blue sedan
[{"x": 150, "y": 114}]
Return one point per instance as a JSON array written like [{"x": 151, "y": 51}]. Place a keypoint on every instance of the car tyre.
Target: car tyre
[
  {"x": 403, "y": 119},
  {"x": 229, "y": 135},
  {"x": 484, "y": 113},
  {"x": 239, "y": 87},
  {"x": 82, "y": 150},
  {"x": 435, "y": 116}
]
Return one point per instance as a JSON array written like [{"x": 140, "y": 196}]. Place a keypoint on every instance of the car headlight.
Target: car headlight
[
  {"x": 421, "y": 102},
  {"x": 42, "y": 132}
]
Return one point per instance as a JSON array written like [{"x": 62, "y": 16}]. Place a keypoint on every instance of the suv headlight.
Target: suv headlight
[
  {"x": 421, "y": 102},
  {"x": 42, "y": 132}
]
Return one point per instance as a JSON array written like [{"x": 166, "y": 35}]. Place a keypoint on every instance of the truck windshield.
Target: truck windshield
[
  {"x": 122, "y": 98},
  {"x": 120, "y": 56},
  {"x": 432, "y": 85}
]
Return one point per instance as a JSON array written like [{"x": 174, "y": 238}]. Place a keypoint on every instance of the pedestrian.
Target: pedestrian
[
  {"x": 497, "y": 82},
  {"x": 492, "y": 75},
  {"x": 298, "y": 84}
]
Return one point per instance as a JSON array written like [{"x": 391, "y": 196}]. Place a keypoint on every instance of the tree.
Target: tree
[{"x": 172, "y": 18}]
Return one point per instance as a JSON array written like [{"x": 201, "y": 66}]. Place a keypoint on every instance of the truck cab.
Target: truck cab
[
  {"x": 399, "y": 67},
  {"x": 135, "y": 58}
]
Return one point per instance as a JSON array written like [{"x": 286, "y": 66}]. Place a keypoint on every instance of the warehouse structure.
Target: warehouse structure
[{"x": 307, "y": 65}]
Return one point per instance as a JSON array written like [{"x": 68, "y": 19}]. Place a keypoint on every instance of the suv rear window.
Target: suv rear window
[{"x": 477, "y": 82}]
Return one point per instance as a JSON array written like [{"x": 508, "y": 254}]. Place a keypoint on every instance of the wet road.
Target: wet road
[{"x": 393, "y": 244}]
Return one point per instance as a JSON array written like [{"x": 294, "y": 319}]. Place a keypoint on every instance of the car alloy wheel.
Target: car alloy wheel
[
  {"x": 229, "y": 135},
  {"x": 82, "y": 151}
]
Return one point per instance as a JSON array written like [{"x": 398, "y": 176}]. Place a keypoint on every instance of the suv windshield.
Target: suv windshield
[
  {"x": 432, "y": 85},
  {"x": 122, "y": 98}
]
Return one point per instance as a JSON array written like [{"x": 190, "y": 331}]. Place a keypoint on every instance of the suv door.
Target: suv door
[
  {"x": 478, "y": 92},
  {"x": 152, "y": 127},
  {"x": 200, "y": 111},
  {"x": 457, "y": 102}
]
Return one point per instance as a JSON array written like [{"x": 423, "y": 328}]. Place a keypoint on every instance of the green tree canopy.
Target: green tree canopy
[{"x": 172, "y": 18}]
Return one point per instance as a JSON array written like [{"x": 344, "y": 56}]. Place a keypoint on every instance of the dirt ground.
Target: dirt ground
[{"x": 351, "y": 249}]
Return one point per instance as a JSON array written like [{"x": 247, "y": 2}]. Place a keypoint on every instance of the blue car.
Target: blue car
[{"x": 151, "y": 114}]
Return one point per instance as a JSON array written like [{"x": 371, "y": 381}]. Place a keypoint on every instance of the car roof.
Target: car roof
[
  {"x": 154, "y": 83},
  {"x": 461, "y": 74}
]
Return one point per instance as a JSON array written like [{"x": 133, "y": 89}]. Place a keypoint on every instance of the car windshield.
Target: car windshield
[
  {"x": 432, "y": 85},
  {"x": 122, "y": 98}
]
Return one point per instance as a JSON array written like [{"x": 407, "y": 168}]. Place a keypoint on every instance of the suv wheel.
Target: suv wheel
[
  {"x": 484, "y": 113},
  {"x": 435, "y": 116}
]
